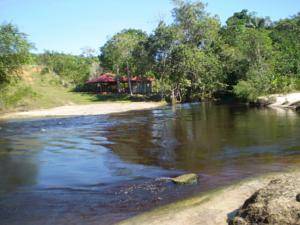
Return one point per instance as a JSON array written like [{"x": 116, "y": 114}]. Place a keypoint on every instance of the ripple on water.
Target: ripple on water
[{"x": 116, "y": 158}]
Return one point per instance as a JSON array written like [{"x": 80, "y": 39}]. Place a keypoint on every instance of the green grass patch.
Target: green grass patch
[{"x": 43, "y": 91}]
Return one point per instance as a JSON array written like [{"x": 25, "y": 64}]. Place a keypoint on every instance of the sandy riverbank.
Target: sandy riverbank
[
  {"x": 84, "y": 110},
  {"x": 291, "y": 100},
  {"x": 208, "y": 209}
]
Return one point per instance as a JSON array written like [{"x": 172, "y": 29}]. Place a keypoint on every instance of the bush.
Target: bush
[
  {"x": 72, "y": 69},
  {"x": 14, "y": 52},
  {"x": 263, "y": 82},
  {"x": 13, "y": 96},
  {"x": 246, "y": 91},
  {"x": 297, "y": 84}
]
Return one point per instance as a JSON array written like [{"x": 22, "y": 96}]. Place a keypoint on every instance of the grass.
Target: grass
[{"x": 41, "y": 91}]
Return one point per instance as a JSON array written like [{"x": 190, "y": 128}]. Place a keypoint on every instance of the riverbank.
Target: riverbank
[
  {"x": 291, "y": 100},
  {"x": 39, "y": 93},
  {"x": 213, "y": 208},
  {"x": 84, "y": 110}
]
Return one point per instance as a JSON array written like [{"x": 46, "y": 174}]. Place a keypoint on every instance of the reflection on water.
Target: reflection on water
[
  {"x": 70, "y": 160},
  {"x": 63, "y": 153},
  {"x": 206, "y": 139}
]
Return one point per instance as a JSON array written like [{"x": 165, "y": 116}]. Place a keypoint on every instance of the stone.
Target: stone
[
  {"x": 239, "y": 221},
  {"x": 186, "y": 179},
  {"x": 277, "y": 203},
  {"x": 298, "y": 197}
]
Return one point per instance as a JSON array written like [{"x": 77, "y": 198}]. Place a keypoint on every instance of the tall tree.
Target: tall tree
[
  {"x": 160, "y": 46},
  {"x": 14, "y": 51},
  {"x": 118, "y": 52},
  {"x": 183, "y": 51},
  {"x": 286, "y": 36}
]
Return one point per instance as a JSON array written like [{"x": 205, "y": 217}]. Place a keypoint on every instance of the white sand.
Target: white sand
[
  {"x": 287, "y": 100},
  {"x": 291, "y": 100},
  {"x": 84, "y": 110},
  {"x": 210, "y": 209}
]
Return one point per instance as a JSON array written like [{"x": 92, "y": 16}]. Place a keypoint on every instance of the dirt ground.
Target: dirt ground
[{"x": 84, "y": 110}]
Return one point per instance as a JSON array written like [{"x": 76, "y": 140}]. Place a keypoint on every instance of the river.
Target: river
[{"x": 102, "y": 169}]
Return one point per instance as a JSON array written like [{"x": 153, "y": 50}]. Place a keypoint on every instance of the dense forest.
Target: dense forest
[{"x": 194, "y": 57}]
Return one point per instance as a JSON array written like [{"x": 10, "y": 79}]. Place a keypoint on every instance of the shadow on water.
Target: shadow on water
[
  {"x": 17, "y": 162},
  {"x": 207, "y": 138},
  {"x": 101, "y": 169}
]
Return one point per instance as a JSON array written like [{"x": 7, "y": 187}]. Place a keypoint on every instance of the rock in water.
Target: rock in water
[
  {"x": 190, "y": 178},
  {"x": 277, "y": 204}
]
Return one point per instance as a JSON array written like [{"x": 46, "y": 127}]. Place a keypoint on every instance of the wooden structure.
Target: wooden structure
[{"x": 108, "y": 83}]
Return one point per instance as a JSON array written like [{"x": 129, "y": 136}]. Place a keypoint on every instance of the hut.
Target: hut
[{"x": 108, "y": 83}]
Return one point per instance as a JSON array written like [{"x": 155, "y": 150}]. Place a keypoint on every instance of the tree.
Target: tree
[
  {"x": 73, "y": 69},
  {"x": 14, "y": 52},
  {"x": 183, "y": 52},
  {"x": 160, "y": 46},
  {"x": 195, "y": 73},
  {"x": 195, "y": 25},
  {"x": 257, "y": 52},
  {"x": 118, "y": 52},
  {"x": 286, "y": 36},
  {"x": 243, "y": 30},
  {"x": 194, "y": 57}
]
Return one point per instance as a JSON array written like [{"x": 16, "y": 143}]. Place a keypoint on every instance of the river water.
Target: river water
[{"x": 102, "y": 169}]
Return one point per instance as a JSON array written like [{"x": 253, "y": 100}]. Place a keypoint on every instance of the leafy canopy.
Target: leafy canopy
[{"x": 14, "y": 52}]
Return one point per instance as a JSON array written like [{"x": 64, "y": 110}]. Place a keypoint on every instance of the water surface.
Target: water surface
[{"x": 101, "y": 169}]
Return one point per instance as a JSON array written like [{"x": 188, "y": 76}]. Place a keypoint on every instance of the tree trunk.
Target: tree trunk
[
  {"x": 129, "y": 80},
  {"x": 143, "y": 85},
  {"x": 118, "y": 80},
  {"x": 162, "y": 85},
  {"x": 173, "y": 97}
]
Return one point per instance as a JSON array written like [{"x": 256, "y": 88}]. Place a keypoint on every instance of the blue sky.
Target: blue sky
[{"x": 69, "y": 25}]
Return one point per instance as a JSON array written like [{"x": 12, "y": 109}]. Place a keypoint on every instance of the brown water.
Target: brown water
[{"x": 101, "y": 169}]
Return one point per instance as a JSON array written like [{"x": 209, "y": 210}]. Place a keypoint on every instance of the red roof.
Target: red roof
[
  {"x": 104, "y": 78},
  {"x": 111, "y": 78}
]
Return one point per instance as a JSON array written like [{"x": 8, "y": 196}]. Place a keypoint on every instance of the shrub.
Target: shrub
[
  {"x": 13, "y": 96},
  {"x": 246, "y": 91},
  {"x": 14, "y": 52}
]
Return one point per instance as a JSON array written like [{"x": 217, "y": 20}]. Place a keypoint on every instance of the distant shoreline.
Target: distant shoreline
[
  {"x": 287, "y": 101},
  {"x": 83, "y": 110},
  {"x": 212, "y": 208}
]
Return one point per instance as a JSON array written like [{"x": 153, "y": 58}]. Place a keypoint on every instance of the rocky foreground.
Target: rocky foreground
[
  {"x": 271, "y": 199},
  {"x": 276, "y": 203}
]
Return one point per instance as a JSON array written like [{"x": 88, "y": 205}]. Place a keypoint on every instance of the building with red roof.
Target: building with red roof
[{"x": 108, "y": 83}]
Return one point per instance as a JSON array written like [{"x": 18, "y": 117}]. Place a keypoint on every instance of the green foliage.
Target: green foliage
[
  {"x": 194, "y": 57},
  {"x": 261, "y": 81},
  {"x": 12, "y": 96},
  {"x": 14, "y": 52},
  {"x": 118, "y": 51},
  {"x": 194, "y": 70},
  {"x": 260, "y": 57},
  {"x": 124, "y": 53},
  {"x": 286, "y": 38},
  {"x": 71, "y": 69},
  {"x": 182, "y": 53},
  {"x": 246, "y": 90}
]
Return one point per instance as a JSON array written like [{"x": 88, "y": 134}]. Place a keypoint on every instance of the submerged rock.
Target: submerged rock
[
  {"x": 190, "y": 178},
  {"x": 277, "y": 203}
]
